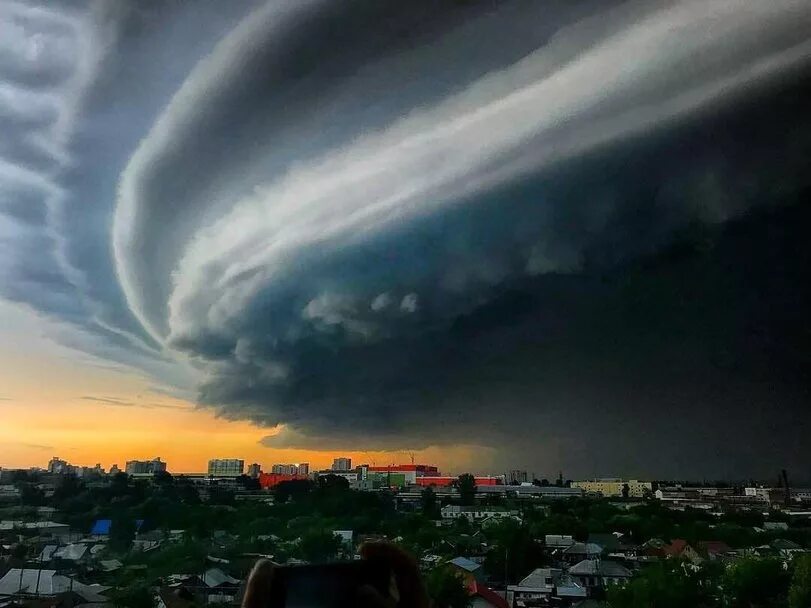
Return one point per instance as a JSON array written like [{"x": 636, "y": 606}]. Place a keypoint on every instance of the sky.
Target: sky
[{"x": 489, "y": 235}]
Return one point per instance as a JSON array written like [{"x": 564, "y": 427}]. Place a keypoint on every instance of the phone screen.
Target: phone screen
[{"x": 328, "y": 585}]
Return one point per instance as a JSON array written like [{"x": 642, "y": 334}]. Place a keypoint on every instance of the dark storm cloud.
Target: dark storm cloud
[{"x": 567, "y": 231}]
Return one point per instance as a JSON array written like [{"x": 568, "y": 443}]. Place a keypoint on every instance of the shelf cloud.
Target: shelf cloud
[{"x": 427, "y": 223}]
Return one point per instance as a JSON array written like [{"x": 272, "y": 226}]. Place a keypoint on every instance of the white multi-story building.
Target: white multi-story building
[
  {"x": 145, "y": 467},
  {"x": 254, "y": 470},
  {"x": 226, "y": 467},
  {"x": 301, "y": 470}
]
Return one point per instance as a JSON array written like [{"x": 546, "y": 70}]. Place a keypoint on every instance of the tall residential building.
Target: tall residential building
[
  {"x": 342, "y": 464},
  {"x": 57, "y": 465},
  {"x": 254, "y": 470},
  {"x": 226, "y": 467},
  {"x": 518, "y": 476},
  {"x": 302, "y": 469},
  {"x": 145, "y": 467}
]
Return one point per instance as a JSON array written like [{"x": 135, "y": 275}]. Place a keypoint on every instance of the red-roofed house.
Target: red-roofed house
[
  {"x": 484, "y": 597},
  {"x": 714, "y": 548},
  {"x": 680, "y": 548}
]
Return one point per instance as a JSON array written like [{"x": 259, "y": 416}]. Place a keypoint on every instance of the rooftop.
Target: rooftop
[{"x": 600, "y": 567}]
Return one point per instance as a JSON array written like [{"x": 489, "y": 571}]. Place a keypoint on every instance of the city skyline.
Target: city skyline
[{"x": 568, "y": 236}]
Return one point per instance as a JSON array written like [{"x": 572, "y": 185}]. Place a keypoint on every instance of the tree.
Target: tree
[
  {"x": 220, "y": 496},
  {"x": 447, "y": 588},
  {"x": 513, "y": 551},
  {"x": 250, "y": 484},
  {"x": 429, "y": 503},
  {"x": 31, "y": 495},
  {"x": 122, "y": 533},
  {"x": 69, "y": 487},
  {"x": 294, "y": 489},
  {"x": 626, "y": 490},
  {"x": 135, "y": 596},
  {"x": 319, "y": 545},
  {"x": 670, "y": 584},
  {"x": 799, "y": 594},
  {"x": 466, "y": 486},
  {"x": 332, "y": 482},
  {"x": 162, "y": 478},
  {"x": 19, "y": 551},
  {"x": 756, "y": 582},
  {"x": 188, "y": 493}
]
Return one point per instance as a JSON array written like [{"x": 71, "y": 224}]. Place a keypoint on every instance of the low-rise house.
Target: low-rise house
[
  {"x": 599, "y": 573},
  {"x": 76, "y": 552},
  {"x": 493, "y": 519},
  {"x": 714, "y": 549},
  {"x": 558, "y": 541},
  {"x": 346, "y": 537},
  {"x": 39, "y": 583},
  {"x": 580, "y": 551},
  {"x": 9, "y": 493},
  {"x": 470, "y": 570},
  {"x": 476, "y": 513},
  {"x": 110, "y": 565},
  {"x": 542, "y": 586},
  {"x": 43, "y": 529},
  {"x": 678, "y": 548},
  {"x": 481, "y": 596},
  {"x": 221, "y": 588}
]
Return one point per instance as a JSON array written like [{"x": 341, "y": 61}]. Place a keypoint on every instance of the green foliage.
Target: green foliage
[
  {"x": 319, "y": 545},
  {"x": 429, "y": 504},
  {"x": 122, "y": 533},
  {"x": 134, "y": 596},
  {"x": 466, "y": 486},
  {"x": 332, "y": 482},
  {"x": 447, "y": 588},
  {"x": 756, "y": 582},
  {"x": 669, "y": 584},
  {"x": 19, "y": 551},
  {"x": 513, "y": 552},
  {"x": 294, "y": 489},
  {"x": 799, "y": 594},
  {"x": 220, "y": 496},
  {"x": 30, "y": 494}
]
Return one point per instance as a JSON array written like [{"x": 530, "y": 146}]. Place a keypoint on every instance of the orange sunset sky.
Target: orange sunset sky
[{"x": 49, "y": 407}]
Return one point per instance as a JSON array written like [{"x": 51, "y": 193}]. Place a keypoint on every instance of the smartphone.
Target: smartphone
[{"x": 327, "y": 585}]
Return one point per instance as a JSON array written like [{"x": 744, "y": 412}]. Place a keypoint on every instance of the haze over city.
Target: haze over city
[{"x": 486, "y": 235}]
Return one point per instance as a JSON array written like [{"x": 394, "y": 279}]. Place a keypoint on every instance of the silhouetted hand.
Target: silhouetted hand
[
  {"x": 260, "y": 583},
  {"x": 406, "y": 589}
]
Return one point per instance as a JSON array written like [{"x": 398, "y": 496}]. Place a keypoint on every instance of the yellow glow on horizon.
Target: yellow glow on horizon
[
  {"x": 51, "y": 405},
  {"x": 85, "y": 433}
]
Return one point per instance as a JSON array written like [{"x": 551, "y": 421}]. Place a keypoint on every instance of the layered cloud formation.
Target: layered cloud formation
[{"x": 422, "y": 223}]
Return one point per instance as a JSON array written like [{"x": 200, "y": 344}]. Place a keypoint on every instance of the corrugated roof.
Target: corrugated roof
[
  {"x": 214, "y": 577},
  {"x": 599, "y": 567},
  {"x": 537, "y": 578},
  {"x": 465, "y": 564},
  {"x": 43, "y": 582},
  {"x": 584, "y": 548},
  {"x": 72, "y": 553}
]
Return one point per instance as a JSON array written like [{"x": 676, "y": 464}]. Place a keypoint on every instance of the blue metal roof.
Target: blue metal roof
[{"x": 101, "y": 527}]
